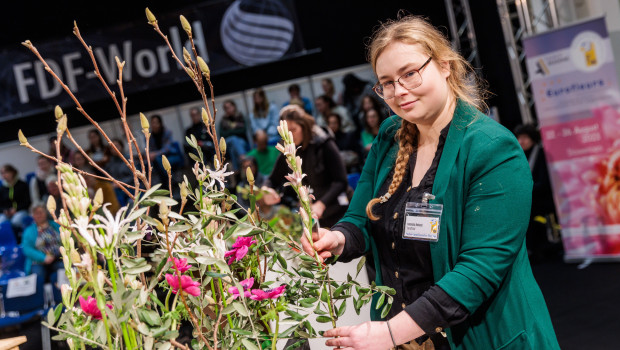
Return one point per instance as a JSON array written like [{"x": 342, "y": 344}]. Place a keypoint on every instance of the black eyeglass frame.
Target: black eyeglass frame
[{"x": 378, "y": 88}]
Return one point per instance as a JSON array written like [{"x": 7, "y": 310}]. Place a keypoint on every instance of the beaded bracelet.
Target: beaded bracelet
[{"x": 391, "y": 335}]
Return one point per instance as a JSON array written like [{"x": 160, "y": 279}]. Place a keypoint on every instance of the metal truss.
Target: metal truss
[
  {"x": 462, "y": 31},
  {"x": 521, "y": 18}
]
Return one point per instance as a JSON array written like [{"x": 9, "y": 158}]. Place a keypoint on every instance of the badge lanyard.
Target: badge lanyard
[{"x": 422, "y": 220}]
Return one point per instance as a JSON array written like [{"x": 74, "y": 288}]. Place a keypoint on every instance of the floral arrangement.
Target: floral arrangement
[{"x": 221, "y": 268}]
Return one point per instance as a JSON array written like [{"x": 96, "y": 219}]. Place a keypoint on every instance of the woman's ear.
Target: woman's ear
[{"x": 444, "y": 68}]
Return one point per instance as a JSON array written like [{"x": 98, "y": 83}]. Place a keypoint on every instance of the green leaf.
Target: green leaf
[
  {"x": 385, "y": 310},
  {"x": 296, "y": 316},
  {"x": 360, "y": 264},
  {"x": 305, "y": 273},
  {"x": 342, "y": 308},
  {"x": 149, "y": 316},
  {"x": 250, "y": 345},
  {"x": 281, "y": 260},
  {"x": 50, "y": 317},
  {"x": 308, "y": 302},
  {"x": 240, "y": 309},
  {"x": 339, "y": 290},
  {"x": 380, "y": 301},
  {"x": 241, "y": 332},
  {"x": 323, "y": 319}
]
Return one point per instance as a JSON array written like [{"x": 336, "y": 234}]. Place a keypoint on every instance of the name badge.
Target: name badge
[{"x": 422, "y": 221}]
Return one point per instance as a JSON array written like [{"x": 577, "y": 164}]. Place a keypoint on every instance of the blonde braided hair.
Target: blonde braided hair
[{"x": 406, "y": 136}]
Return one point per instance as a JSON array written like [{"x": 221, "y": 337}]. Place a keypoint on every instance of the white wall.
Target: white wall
[{"x": 175, "y": 118}]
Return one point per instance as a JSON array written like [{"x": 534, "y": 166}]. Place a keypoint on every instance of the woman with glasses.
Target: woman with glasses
[{"x": 441, "y": 210}]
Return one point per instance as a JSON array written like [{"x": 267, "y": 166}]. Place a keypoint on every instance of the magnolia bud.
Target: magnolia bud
[
  {"x": 203, "y": 67},
  {"x": 51, "y": 204},
  {"x": 222, "y": 145},
  {"x": 62, "y": 125},
  {"x": 249, "y": 175},
  {"x": 184, "y": 190},
  {"x": 186, "y": 56},
  {"x": 58, "y": 112},
  {"x": 163, "y": 211},
  {"x": 27, "y": 43},
  {"x": 190, "y": 73},
  {"x": 159, "y": 226},
  {"x": 22, "y": 139},
  {"x": 98, "y": 200},
  {"x": 144, "y": 122},
  {"x": 205, "y": 116},
  {"x": 185, "y": 25},
  {"x": 150, "y": 17},
  {"x": 165, "y": 163}
]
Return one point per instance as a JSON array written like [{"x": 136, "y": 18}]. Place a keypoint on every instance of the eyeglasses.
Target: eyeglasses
[{"x": 409, "y": 81}]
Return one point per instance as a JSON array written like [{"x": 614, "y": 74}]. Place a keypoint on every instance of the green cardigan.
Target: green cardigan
[{"x": 485, "y": 184}]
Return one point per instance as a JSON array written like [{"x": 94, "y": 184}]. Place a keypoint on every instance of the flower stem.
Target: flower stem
[{"x": 274, "y": 341}]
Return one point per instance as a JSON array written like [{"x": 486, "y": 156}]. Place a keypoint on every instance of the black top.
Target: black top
[{"x": 406, "y": 264}]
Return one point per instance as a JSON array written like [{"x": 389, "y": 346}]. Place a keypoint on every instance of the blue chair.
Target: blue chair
[
  {"x": 353, "y": 179},
  {"x": 7, "y": 236},
  {"x": 29, "y": 176},
  {"x": 11, "y": 259}
]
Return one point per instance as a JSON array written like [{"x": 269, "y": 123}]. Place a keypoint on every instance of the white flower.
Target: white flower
[
  {"x": 86, "y": 262},
  {"x": 112, "y": 226},
  {"x": 219, "y": 175},
  {"x": 85, "y": 229}
]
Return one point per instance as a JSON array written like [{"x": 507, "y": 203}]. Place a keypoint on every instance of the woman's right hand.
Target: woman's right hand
[
  {"x": 270, "y": 196},
  {"x": 327, "y": 243}
]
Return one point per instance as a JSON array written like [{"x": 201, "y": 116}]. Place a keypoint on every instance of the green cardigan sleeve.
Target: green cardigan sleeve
[{"x": 494, "y": 218}]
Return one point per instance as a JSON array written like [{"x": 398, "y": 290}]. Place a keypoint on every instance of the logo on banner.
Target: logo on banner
[
  {"x": 257, "y": 32},
  {"x": 587, "y": 51}
]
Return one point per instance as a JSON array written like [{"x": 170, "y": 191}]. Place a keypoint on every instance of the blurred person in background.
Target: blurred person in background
[
  {"x": 542, "y": 233},
  {"x": 96, "y": 150},
  {"x": 346, "y": 142},
  {"x": 326, "y": 106},
  {"x": 93, "y": 184},
  {"x": 369, "y": 102},
  {"x": 234, "y": 131},
  {"x": 162, "y": 143},
  {"x": 329, "y": 90},
  {"x": 264, "y": 116},
  {"x": 294, "y": 92},
  {"x": 14, "y": 199},
  {"x": 354, "y": 90},
  {"x": 40, "y": 244},
  {"x": 203, "y": 140},
  {"x": 372, "y": 122},
  {"x": 119, "y": 170},
  {"x": 65, "y": 152},
  {"x": 51, "y": 184},
  {"x": 321, "y": 162},
  {"x": 264, "y": 154},
  {"x": 37, "y": 186}
]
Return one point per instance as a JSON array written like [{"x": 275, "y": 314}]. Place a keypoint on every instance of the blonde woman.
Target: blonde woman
[{"x": 458, "y": 262}]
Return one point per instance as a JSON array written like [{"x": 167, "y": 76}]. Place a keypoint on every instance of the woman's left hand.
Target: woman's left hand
[
  {"x": 365, "y": 336},
  {"x": 318, "y": 208}
]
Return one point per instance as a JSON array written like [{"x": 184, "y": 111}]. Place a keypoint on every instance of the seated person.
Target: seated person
[
  {"x": 264, "y": 154},
  {"x": 65, "y": 152},
  {"x": 326, "y": 106},
  {"x": 372, "y": 122},
  {"x": 294, "y": 92},
  {"x": 37, "y": 187},
  {"x": 119, "y": 170},
  {"x": 346, "y": 142},
  {"x": 199, "y": 130},
  {"x": 161, "y": 143},
  {"x": 14, "y": 199},
  {"x": 93, "y": 183},
  {"x": 265, "y": 116},
  {"x": 233, "y": 129},
  {"x": 40, "y": 244}
]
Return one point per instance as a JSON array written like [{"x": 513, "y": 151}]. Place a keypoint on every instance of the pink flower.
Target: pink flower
[
  {"x": 89, "y": 306},
  {"x": 246, "y": 284},
  {"x": 274, "y": 293},
  {"x": 240, "y": 249},
  {"x": 180, "y": 264},
  {"x": 188, "y": 285}
]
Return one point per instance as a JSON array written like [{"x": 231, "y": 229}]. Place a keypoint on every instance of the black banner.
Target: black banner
[{"x": 229, "y": 35}]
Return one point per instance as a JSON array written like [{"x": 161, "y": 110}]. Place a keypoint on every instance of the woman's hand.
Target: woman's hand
[
  {"x": 49, "y": 259},
  {"x": 365, "y": 336},
  {"x": 318, "y": 208},
  {"x": 270, "y": 197},
  {"x": 326, "y": 243}
]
